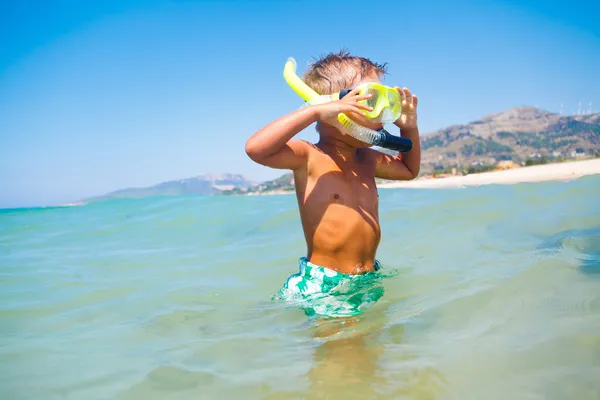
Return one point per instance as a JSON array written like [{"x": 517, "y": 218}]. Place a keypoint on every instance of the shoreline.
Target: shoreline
[{"x": 564, "y": 171}]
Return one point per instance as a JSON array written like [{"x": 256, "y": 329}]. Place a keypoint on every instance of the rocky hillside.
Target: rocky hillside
[
  {"x": 516, "y": 134},
  {"x": 519, "y": 134},
  {"x": 208, "y": 184}
]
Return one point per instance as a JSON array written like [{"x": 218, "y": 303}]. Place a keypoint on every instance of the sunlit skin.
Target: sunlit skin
[{"x": 335, "y": 177}]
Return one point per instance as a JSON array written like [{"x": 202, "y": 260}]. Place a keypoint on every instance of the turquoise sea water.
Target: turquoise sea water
[{"x": 495, "y": 294}]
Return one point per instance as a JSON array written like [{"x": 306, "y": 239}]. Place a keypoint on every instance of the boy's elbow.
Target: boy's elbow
[
  {"x": 407, "y": 174},
  {"x": 413, "y": 173},
  {"x": 253, "y": 151}
]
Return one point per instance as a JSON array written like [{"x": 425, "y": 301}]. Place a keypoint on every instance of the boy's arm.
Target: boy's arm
[
  {"x": 407, "y": 166},
  {"x": 400, "y": 167},
  {"x": 272, "y": 145}
]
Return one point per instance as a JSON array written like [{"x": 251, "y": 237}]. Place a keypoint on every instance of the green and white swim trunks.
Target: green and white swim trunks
[{"x": 321, "y": 291}]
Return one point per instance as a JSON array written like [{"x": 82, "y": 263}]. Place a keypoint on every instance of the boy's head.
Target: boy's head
[{"x": 336, "y": 71}]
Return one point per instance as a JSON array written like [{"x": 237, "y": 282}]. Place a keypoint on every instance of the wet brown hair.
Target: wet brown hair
[{"x": 335, "y": 71}]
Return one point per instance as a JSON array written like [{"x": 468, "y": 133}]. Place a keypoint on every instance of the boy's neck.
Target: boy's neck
[{"x": 337, "y": 149}]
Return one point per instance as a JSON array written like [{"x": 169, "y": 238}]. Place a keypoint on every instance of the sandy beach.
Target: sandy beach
[{"x": 538, "y": 173}]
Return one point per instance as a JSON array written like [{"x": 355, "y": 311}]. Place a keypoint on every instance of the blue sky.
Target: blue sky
[{"x": 101, "y": 95}]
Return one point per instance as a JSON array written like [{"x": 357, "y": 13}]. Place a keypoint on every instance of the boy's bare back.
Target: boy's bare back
[{"x": 335, "y": 178}]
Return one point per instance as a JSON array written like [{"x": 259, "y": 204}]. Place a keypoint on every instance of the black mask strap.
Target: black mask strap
[{"x": 344, "y": 92}]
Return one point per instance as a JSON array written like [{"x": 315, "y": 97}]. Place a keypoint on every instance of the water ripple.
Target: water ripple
[{"x": 170, "y": 298}]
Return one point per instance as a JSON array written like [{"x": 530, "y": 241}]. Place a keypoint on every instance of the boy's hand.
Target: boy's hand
[
  {"x": 328, "y": 112},
  {"x": 408, "y": 118}
]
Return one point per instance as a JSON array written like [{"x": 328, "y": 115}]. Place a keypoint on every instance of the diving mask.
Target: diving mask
[{"x": 385, "y": 101}]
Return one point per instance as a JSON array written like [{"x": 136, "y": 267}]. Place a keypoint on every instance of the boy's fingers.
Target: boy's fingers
[
  {"x": 354, "y": 96},
  {"x": 415, "y": 99},
  {"x": 408, "y": 95},
  {"x": 401, "y": 93},
  {"x": 357, "y": 107},
  {"x": 363, "y": 106},
  {"x": 363, "y": 97},
  {"x": 354, "y": 92}
]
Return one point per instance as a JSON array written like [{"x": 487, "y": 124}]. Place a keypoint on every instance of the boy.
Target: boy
[{"x": 335, "y": 183}]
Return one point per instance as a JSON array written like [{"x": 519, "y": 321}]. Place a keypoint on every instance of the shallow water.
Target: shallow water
[{"x": 495, "y": 294}]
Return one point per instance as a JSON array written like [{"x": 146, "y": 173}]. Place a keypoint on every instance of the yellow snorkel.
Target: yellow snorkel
[
  {"x": 297, "y": 85},
  {"x": 378, "y": 138}
]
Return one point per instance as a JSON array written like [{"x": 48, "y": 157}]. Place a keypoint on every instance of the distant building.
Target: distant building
[{"x": 506, "y": 164}]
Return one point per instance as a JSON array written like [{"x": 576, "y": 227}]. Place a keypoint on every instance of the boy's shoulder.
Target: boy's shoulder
[
  {"x": 315, "y": 155},
  {"x": 303, "y": 146},
  {"x": 363, "y": 153}
]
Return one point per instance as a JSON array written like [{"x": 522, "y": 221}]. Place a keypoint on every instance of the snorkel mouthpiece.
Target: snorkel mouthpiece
[
  {"x": 389, "y": 141},
  {"x": 379, "y": 138}
]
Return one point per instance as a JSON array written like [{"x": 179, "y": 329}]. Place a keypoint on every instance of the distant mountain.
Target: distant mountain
[
  {"x": 208, "y": 184},
  {"x": 285, "y": 183},
  {"x": 516, "y": 134}
]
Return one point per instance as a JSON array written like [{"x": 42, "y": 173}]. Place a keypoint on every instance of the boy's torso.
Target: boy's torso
[{"x": 338, "y": 204}]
